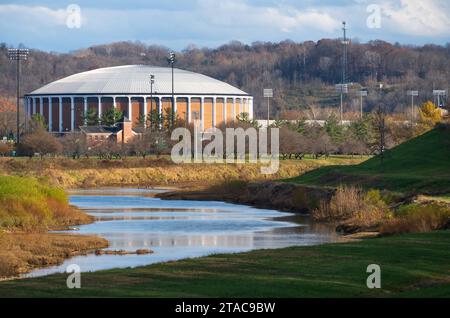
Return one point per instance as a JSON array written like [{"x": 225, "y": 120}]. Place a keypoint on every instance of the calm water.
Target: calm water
[{"x": 132, "y": 219}]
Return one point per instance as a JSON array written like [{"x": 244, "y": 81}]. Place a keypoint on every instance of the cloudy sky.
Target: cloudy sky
[{"x": 69, "y": 25}]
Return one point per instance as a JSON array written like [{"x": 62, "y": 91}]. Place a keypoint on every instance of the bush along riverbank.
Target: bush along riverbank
[{"x": 28, "y": 210}]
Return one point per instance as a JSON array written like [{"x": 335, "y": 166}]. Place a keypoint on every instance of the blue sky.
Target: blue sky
[{"x": 49, "y": 25}]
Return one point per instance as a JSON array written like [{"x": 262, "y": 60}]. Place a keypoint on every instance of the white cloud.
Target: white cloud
[
  {"x": 214, "y": 22},
  {"x": 284, "y": 18},
  {"x": 418, "y": 17},
  {"x": 38, "y": 15}
]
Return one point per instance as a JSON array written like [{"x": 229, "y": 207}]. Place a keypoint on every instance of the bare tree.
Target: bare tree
[{"x": 74, "y": 145}]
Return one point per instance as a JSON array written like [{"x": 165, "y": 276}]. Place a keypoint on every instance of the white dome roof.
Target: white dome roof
[{"x": 135, "y": 80}]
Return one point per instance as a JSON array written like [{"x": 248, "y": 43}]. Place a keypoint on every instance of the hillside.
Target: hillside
[
  {"x": 421, "y": 165},
  {"x": 301, "y": 74}
]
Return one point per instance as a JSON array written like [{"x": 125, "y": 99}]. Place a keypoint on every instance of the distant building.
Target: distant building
[
  {"x": 63, "y": 103},
  {"x": 121, "y": 133}
]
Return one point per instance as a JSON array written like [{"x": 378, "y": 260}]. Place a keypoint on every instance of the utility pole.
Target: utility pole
[{"x": 18, "y": 55}]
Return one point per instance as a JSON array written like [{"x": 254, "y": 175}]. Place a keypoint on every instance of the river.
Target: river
[{"x": 132, "y": 219}]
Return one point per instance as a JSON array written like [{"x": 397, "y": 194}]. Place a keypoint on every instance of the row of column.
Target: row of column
[{"x": 245, "y": 105}]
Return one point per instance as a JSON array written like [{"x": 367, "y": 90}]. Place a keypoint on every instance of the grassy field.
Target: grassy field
[
  {"x": 420, "y": 267},
  {"x": 421, "y": 165},
  {"x": 132, "y": 171}
]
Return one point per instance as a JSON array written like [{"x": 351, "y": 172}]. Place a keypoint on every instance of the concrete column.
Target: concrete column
[
  {"x": 145, "y": 112},
  {"x": 175, "y": 106},
  {"x": 225, "y": 103},
  {"x": 99, "y": 107},
  {"x": 159, "y": 104},
  {"x": 214, "y": 111},
  {"x": 241, "y": 106},
  {"x": 41, "y": 106},
  {"x": 50, "y": 114},
  {"x": 188, "y": 110},
  {"x": 250, "y": 108},
  {"x": 130, "y": 115},
  {"x": 72, "y": 113},
  {"x": 85, "y": 109},
  {"x": 34, "y": 105},
  {"x": 234, "y": 109},
  {"x": 202, "y": 113},
  {"x": 60, "y": 115},
  {"x": 114, "y": 102}
]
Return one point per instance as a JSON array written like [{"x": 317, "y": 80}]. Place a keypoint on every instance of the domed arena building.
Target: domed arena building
[{"x": 63, "y": 103}]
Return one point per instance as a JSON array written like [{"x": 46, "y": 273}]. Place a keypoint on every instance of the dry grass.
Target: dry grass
[
  {"x": 418, "y": 218},
  {"x": 352, "y": 205},
  {"x": 88, "y": 173},
  {"x": 22, "y": 252}
]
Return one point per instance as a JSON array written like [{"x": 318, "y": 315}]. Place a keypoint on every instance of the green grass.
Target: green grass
[
  {"x": 25, "y": 202},
  {"x": 419, "y": 267},
  {"x": 421, "y": 165}
]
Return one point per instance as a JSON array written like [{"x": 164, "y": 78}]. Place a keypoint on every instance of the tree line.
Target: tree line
[{"x": 302, "y": 74}]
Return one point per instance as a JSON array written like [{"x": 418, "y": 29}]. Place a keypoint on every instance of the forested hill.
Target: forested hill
[{"x": 302, "y": 74}]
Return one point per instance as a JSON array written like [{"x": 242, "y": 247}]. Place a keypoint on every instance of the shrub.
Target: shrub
[
  {"x": 418, "y": 218},
  {"x": 27, "y": 204},
  {"x": 352, "y": 205}
]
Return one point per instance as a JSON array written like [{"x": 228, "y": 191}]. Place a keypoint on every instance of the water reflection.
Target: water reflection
[{"x": 132, "y": 219}]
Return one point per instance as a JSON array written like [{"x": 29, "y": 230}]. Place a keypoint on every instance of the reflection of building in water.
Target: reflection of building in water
[{"x": 136, "y": 241}]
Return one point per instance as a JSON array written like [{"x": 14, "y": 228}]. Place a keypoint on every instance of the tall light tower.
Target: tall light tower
[
  {"x": 18, "y": 55},
  {"x": 344, "y": 88},
  {"x": 172, "y": 60}
]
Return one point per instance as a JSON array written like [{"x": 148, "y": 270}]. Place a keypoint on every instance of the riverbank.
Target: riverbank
[
  {"x": 28, "y": 209},
  {"x": 152, "y": 172},
  {"x": 418, "y": 268},
  {"x": 21, "y": 253},
  {"x": 280, "y": 196}
]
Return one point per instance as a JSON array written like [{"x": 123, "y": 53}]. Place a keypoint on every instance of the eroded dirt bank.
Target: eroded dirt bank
[{"x": 271, "y": 195}]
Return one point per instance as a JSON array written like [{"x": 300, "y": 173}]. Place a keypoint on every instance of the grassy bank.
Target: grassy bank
[
  {"x": 28, "y": 209},
  {"x": 420, "y": 165},
  {"x": 69, "y": 173},
  {"x": 26, "y": 204},
  {"x": 418, "y": 268}
]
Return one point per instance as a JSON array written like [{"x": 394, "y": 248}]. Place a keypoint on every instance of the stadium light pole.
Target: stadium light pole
[
  {"x": 343, "y": 87},
  {"x": 18, "y": 55},
  {"x": 152, "y": 82},
  {"x": 362, "y": 93},
  {"x": 438, "y": 93},
  {"x": 172, "y": 60},
  {"x": 268, "y": 93},
  {"x": 412, "y": 94}
]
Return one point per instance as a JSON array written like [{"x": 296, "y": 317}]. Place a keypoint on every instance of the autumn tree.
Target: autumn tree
[{"x": 430, "y": 115}]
